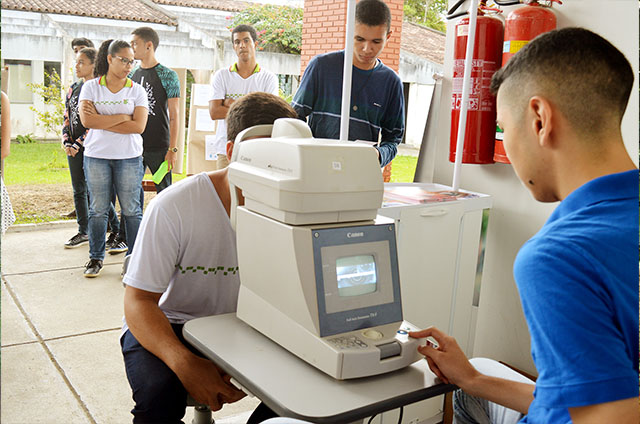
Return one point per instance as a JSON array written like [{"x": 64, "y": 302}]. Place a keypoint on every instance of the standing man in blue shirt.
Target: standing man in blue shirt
[
  {"x": 561, "y": 100},
  {"x": 377, "y": 100}
]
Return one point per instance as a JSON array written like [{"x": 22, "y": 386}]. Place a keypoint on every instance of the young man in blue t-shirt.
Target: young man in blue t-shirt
[
  {"x": 560, "y": 103},
  {"x": 377, "y": 100}
]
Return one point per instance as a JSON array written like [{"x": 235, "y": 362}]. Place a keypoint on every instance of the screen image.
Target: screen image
[{"x": 356, "y": 275}]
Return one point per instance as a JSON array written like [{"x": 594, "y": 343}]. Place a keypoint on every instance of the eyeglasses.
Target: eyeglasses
[{"x": 127, "y": 62}]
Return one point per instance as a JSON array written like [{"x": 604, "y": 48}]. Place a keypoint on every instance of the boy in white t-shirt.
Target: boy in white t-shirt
[
  {"x": 185, "y": 266},
  {"x": 229, "y": 84}
]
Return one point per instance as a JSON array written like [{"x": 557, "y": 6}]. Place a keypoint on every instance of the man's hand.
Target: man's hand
[
  {"x": 205, "y": 383},
  {"x": 171, "y": 157},
  {"x": 447, "y": 360},
  {"x": 70, "y": 151}
]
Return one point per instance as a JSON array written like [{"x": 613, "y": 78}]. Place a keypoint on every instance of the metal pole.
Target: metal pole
[
  {"x": 466, "y": 86},
  {"x": 348, "y": 67}
]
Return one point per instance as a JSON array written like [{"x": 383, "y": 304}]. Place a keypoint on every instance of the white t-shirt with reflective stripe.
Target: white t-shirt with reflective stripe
[
  {"x": 228, "y": 84},
  {"x": 186, "y": 250},
  {"x": 105, "y": 144}
]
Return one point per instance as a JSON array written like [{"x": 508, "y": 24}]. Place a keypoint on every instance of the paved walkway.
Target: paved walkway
[{"x": 61, "y": 360}]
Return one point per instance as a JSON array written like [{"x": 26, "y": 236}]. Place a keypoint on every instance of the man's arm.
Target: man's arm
[
  {"x": 6, "y": 126},
  {"x": 92, "y": 119},
  {"x": 219, "y": 108},
  {"x": 200, "y": 377},
  {"x": 392, "y": 125},
  {"x": 626, "y": 411},
  {"x": 174, "y": 112},
  {"x": 450, "y": 364},
  {"x": 136, "y": 125}
]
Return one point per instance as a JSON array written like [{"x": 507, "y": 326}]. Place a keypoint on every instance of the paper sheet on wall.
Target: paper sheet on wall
[
  {"x": 210, "y": 147},
  {"x": 201, "y": 94},
  {"x": 204, "y": 121}
]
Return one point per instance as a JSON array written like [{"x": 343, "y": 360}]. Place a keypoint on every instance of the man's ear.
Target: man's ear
[
  {"x": 542, "y": 112},
  {"x": 389, "y": 35},
  {"x": 229, "y": 149}
]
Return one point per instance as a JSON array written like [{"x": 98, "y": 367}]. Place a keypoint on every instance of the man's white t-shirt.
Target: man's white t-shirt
[
  {"x": 105, "y": 144},
  {"x": 228, "y": 84},
  {"x": 186, "y": 250}
]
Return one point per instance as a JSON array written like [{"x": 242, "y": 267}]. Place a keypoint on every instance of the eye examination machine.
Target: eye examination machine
[{"x": 318, "y": 268}]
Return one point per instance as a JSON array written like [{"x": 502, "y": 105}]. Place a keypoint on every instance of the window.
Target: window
[
  {"x": 19, "y": 77},
  {"x": 52, "y": 76}
]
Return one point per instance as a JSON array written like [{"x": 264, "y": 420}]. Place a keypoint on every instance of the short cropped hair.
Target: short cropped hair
[
  {"x": 148, "y": 34},
  {"x": 81, "y": 41},
  {"x": 373, "y": 13},
  {"x": 587, "y": 78},
  {"x": 256, "y": 109},
  {"x": 245, "y": 28}
]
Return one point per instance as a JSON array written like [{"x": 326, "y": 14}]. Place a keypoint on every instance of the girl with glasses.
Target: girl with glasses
[{"x": 115, "y": 110}]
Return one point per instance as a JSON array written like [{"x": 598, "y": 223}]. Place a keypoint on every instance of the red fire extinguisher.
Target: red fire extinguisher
[
  {"x": 481, "y": 118},
  {"x": 522, "y": 25}
]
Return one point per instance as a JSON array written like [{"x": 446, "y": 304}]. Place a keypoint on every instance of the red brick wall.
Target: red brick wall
[{"x": 323, "y": 30}]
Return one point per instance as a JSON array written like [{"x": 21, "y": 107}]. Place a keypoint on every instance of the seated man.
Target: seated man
[
  {"x": 185, "y": 267},
  {"x": 561, "y": 100}
]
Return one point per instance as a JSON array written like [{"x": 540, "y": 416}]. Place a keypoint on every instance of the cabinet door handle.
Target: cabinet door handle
[{"x": 433, "y": 212}]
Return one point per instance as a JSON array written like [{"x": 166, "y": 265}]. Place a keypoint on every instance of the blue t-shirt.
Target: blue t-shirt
[
  {"x": 578, "y": 283},
  {"x": 377, "y": 102}
]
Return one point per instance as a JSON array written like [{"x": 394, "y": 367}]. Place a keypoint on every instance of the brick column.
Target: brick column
[{"x": 323, "y": 30}]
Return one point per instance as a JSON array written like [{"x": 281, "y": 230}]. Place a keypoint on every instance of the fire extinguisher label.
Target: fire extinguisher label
[
  {"x": 463, "y": 30},
  {"x": 480, "y": 97},
  {"x": 513, "y": 46}
]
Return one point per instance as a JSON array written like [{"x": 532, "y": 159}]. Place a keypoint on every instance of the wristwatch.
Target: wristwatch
[{"x": 173, "y": 149}]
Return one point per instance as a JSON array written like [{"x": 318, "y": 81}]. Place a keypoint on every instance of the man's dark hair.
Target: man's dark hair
[
  {"x": 373, "y": 13},
  {"x": 148, "y": 34},
  {"x": 585, "y": 75},
  {"x": 91, "y": 53},
  {"x": 108, "y": 47},
  {"x": 245, "y": 28},
  {"x": 256, "y": 109},
  {"x": 81, "y": 41}
]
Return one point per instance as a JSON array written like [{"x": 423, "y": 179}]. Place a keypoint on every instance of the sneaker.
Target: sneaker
[
  {"x": 119, "y": 246},
  {"x": 77, "y": 240},
  {"x": 93, "y": 268},
  {"x": 111, "y": 241}
]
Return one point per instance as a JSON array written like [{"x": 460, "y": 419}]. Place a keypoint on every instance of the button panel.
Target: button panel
[{"x": 348, "y": 342}]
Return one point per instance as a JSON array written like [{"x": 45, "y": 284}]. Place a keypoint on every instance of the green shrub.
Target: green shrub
[
  {"x": 26, "y": 139},
  {"x": 279, "y": 28}
]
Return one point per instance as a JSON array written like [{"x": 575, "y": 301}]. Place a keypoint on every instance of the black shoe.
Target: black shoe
[
  {"x": 77, "y": 240},
  {"x": 119, "y": 246},
  {"x": 93, "y": 268},
  {"x": 111, "y": 241}
]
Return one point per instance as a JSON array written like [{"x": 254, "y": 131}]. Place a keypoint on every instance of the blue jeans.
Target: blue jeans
[
  {"x": 81, "y": 195},
  {"x": 104, "y": 175},
  {"x": 158, "y": 394}
]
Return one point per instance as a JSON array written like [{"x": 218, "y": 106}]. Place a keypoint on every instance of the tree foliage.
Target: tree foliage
[
  {"x": 279, "y": 27},
  {"x": 426, "y": 12},
  {"x": 52, "y": 118}
]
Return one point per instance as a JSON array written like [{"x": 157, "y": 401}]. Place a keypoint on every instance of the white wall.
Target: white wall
[{"x": 502, "y": 332}]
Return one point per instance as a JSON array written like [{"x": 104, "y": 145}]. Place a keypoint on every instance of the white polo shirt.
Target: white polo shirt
[
  {"x": 105, "y": 144},
  {"x": 228, "y": 84}
]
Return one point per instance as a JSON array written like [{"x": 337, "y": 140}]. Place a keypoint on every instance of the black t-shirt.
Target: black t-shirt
[{"x": 161, "y": 84}]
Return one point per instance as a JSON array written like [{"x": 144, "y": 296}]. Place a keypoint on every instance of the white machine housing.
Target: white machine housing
[
  {"x": 318, "y": 275},
  {"x": 308, "y": 181}
]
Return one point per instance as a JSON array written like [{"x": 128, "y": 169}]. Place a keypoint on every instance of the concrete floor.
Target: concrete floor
[{"x": 60, "y": 352}]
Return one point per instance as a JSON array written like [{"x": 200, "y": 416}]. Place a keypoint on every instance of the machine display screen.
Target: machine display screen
[{"x": 356, "y": 275}]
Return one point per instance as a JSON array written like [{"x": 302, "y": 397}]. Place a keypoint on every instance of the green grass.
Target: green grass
[{"x": 44, "y": 163}]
